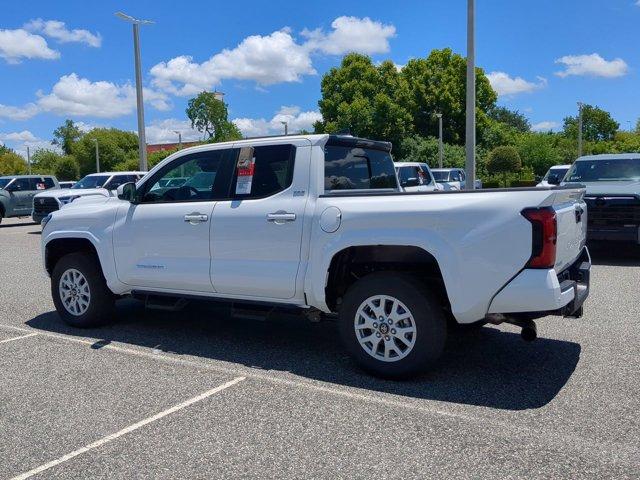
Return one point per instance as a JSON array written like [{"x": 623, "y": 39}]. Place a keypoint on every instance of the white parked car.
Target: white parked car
[
  {"x": 453, "y": 178},
  {"x": 318, "y": 223},
  {"x": 416, "y": 177},
  {"x": 102, "y": 184},
  {"x": 613, "y": 195},
  {"x": 554, "y": 176}
]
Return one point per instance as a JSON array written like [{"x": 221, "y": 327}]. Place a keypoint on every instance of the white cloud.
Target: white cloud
[
  {"x": 22, "y": 136},
  {"x": 505, "y": 85},
  {"x": 267, "y": 60},
  {"x": 544, "y": 126},
  {"x": 58, "y": 30},
  {"x": 164, "y": 131},
  {"x": 295, "y": 118},
  {"x": 73, "y": 95},
  {"x": 18, "y": 113},
  {"x": 351, "y": 34},
  {"x": 592, "y": 65},
  {"x": 273, "y": 58},
  {"x": 18, "y": 44}
]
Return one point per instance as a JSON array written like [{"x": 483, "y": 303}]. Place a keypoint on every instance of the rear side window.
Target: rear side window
[
  {"x": 23, "y": 184},
  {"x": 356, "y": 168},
  {"x": 272, "y": 172},
  {"x": 43, "y": 183}
]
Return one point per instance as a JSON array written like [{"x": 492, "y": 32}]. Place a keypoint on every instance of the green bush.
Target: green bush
[{"x": 503, "y": 161}]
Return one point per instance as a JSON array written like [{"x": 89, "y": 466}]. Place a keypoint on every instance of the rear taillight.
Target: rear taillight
[{"x": 545, "y": 234}]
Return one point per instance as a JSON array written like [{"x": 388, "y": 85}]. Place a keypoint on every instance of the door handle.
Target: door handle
[
  {"x": 281, "y": 217},
  {"x": 195, "y": 218}
]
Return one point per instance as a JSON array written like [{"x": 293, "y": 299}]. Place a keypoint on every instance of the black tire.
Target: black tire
[
  {"x": 430, "y": 324},
  {"x": 101, "y": 301}
]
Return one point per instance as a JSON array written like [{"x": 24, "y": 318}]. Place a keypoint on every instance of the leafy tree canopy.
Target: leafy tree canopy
[
  {"x": 597, "y": 124},
  {"x": 115, "y": 146},
  {"x": 504, "y": 160},
  {"x": 67, "y": 168},
  {"x": 12, "y": 164},
  {"x": 210, "y": 115},
  {"x": 512, "y": 118},
  {"x": 66, "y": 135}
]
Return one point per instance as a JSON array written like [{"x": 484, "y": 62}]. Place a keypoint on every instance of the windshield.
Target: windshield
[
  {"x": 559, "y": 172},
  {"x": 440, "y": 176},
  {"x": 615, "y": 170},
  {"x": 91, "y": 181},
  {"x": 4, "y": 182}
]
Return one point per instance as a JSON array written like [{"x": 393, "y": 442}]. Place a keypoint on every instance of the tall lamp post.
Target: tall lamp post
[
  {"x": 95, "y": 140},
  {"x": 286, "y": 128},
  {"x": 580, "y": 129},
  {"x": 440, "y": 147},
  {"x": 470, "y": 164},
  {"x": 179, "y": 139},
  {"x": 142, "y": 143},
  {"x": 29, "y": 159}
]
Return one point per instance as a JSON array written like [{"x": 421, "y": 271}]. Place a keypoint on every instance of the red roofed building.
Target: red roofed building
[{"x": 159, "y": 147}]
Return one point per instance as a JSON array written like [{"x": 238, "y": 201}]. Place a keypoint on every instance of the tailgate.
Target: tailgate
[{"x": 571, "y": 217}]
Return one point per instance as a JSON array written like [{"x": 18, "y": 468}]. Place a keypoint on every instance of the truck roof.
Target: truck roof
[
  {"x": 610, "y": 156},
  {"x": 27, "y": 176}
]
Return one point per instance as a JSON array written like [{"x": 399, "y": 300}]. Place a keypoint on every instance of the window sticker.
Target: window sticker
[{"x": 246, "y": 166}]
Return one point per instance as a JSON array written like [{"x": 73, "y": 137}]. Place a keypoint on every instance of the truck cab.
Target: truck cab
[{"x": 17, "y": 192}]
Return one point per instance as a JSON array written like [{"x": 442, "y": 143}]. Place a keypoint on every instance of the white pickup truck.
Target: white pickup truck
[{"x": 318, "y": 222}]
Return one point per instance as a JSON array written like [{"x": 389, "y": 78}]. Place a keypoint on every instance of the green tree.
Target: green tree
[
  {"x": 420, "y": 149},
  {"x": 437, "y": 84},
  {"x": 115, "y": 146},
  {"x": 44, "y": 161},
  {"x": 4, "y": 149},
  {"x": 66, "y": 135},
  {"x": 12, "y": 164},
  {"x": 512, "y": 118},
  {"x": 538, "y": 151},
  {"x": 365, "y": 99},
  {"x": 67, "y": 168},
  {"x": 156, "y": 157},
  {"x": 503, "y": 160},
  {"x": 597, "y": 125},
  {"x": 210, "y": 115}
]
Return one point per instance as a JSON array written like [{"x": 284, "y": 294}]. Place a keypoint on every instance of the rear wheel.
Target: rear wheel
[
  {"x": 392, "y": 325},
  {"x": 79, "y": 291}
]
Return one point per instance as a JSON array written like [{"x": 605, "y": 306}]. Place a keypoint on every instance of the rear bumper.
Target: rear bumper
[{"x": 538, "y": 293}]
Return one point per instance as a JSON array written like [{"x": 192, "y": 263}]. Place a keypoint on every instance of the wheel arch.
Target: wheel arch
[
  {"x": 57, "y": 248},
  {"x": 352, "y": 263}
]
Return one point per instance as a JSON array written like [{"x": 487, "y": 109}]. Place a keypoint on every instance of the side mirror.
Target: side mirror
[
  {"x": 553, "y": 179},
  {"x": 127, "y": 191},
  {"x": 14, "y": 187},
  {"x": 411, "y": 182}
]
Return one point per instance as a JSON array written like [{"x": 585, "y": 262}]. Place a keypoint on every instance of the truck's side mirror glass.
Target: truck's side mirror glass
[
  {"x": 553, "y": 179},
  {"x": 14, "y": 187},
  {"x": 127, "y": 191}
]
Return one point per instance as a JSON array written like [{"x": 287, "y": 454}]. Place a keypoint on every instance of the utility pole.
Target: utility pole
[
  {"x": 440, "y": 145},
  {"x": 286, "y": 128},
  {"x": 29, "y": 159},
  {"x": 179, "y": 139},
  {"x": 142, "y": 143},
  {"x": 579, "y": 129},
  {"x": 470, "y": 164},
  {"x": 95, "y": 140}
]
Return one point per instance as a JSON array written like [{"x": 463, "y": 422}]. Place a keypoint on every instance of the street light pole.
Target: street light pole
[
  {"x": 579, "y": 129},
  {"x": 286, "y": 128},
  {"x": 142, "y": 143},
  {"x": 440, "y": 145},
  {"x": 470, "y": 164},
  {"x": 29, "y": 159},
  {"x": 179, "y": 139},
  {"x": 95, "y": 140}
]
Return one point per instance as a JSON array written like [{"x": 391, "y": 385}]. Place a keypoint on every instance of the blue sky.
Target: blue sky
[{"x": 66, "y": 59}]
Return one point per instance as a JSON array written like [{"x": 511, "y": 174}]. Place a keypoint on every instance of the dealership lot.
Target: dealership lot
[{"x": 200, "y": 394}]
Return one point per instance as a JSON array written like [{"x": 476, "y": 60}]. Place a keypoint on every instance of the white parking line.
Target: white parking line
[
  {"x": 126, "y": 430},
  {"x": 18, "y": 338}
]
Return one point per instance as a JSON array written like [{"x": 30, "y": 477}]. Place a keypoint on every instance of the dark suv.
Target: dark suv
[{"x": 17, "y": 192}]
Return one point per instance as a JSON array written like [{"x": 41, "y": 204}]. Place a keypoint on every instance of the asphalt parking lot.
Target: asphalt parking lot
[{"x": 200, "y": 394}]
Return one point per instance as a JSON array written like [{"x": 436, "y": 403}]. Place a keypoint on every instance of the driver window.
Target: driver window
[{"x": 188, "y": 180}]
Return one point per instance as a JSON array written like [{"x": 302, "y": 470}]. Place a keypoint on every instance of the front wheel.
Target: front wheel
[
  {"x": 392, "y": 325},
  {"x": 79, "y": 291}
]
